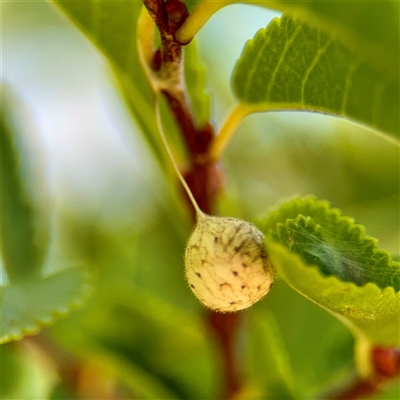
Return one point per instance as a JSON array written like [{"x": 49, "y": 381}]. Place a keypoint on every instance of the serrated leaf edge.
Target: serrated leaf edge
[
  {"x": 332, "y": 285},
  {"x": 59, "y": 313},
  {"x": 349, "y": 287},
  {"x": 331, "y": 214}
]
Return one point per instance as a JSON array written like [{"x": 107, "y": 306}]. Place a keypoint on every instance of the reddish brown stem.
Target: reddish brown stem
[
  {"x": 204, "y": 181},
  {"x": 167, "y": 64},
  {"x": 358, "y": 389},
  {"x": 180, "y": 108},
  {"x": 386, "y": 362},
  {"x": 386, "y": 367},
  {"x": 202, "y": 177},
  {"x": 225, "y": 327}
]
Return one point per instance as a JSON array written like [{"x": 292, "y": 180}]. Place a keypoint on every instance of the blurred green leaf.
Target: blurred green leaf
[
  {"x": 392, "y": 391},
  {"x": 23, "y": 375},
  {"x": 29, "y": 300},
  {"x": 269, "y": 370},
  {"x": 135, "y": 320},
  {"x": 133, "y": 381},
  {"x": 291, "y": 65},
  {"x": 309, "y": 333},
  {"x": 111, "y": 26},
  {"x": 328, "y": 258},
  {"x": 154, "y": 338},
  {"x": 11, "y": 361},
  {"x": 27, "y": 306},
  {"x": 60, "y": 393},
  {"x": 23, "y": 254}
]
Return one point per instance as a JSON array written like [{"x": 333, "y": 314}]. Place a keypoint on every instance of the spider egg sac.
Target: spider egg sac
[{"x": 226, "y": 264}]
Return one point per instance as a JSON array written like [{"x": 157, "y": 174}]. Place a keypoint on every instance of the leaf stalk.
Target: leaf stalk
[{"x": 228, "y": 129}]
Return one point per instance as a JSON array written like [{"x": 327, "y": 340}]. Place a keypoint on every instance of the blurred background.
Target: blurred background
[{"x": 91, "y": 172}]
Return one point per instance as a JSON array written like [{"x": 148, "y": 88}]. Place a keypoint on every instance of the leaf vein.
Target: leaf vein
[
  {"x": 320, "y": 53},
  {"x": 254, "y": 67},
  {"x": 285, "y": 50}
]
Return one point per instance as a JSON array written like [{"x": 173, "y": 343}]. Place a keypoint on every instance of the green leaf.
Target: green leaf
[
  {"x": 29, "y": 300},
  {"x": 136, "y": 381},
  {"x": 24, "y": 375},
  {"x": 167, "y": 349},
  {"x": 12, "y": 360},
  {"x": 369, "y": 28},
  {"x": 329, "y": 259},
  {"x": 27, "y": 306},
  {"x": 23, "y": 254},
  {"x": 292, "y": 65},
  {"x": 308, "y": 333},
  {"x": 111, "y": 26},
  {"x": 195, "y": 82},
  {"x": 267, "y": 352}
]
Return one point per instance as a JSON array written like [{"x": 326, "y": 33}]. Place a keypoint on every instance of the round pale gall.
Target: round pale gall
[{"x": 226, "y": 264}]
